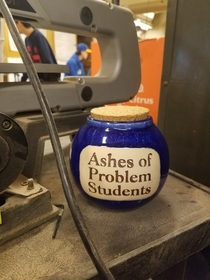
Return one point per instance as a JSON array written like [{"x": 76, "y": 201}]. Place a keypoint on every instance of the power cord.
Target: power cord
[{"x": 103, "y": 271}]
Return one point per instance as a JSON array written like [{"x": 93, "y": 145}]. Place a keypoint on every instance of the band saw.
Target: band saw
[{"x": 24, "y": 203}]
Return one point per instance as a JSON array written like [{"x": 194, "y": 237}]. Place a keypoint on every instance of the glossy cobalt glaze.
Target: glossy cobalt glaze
[{"x": 119, "y": 164}]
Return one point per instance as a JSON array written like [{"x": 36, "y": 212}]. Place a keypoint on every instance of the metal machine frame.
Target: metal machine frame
[{"x": 119, "y": 76}]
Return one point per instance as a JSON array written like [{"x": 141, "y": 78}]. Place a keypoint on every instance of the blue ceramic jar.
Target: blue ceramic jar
[{"x": 119, "y": 164}]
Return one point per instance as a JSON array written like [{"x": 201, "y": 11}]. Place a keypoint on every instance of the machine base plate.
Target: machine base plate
[{"x": 19, "y": 213}]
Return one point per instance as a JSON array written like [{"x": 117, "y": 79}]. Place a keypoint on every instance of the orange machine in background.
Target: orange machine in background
[{"x": 151, "y": 58}]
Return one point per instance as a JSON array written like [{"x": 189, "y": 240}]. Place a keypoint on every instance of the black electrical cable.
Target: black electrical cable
[{"x": 66, "y": 180}]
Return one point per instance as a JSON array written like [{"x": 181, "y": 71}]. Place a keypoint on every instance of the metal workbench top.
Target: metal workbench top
[{"x": 135, "y": 244}]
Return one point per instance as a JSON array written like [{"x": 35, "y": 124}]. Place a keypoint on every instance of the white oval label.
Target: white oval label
[{"x": 119, "y": 174}]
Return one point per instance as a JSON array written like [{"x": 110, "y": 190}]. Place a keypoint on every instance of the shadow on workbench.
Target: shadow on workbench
[{"x": 195, "y": 267}]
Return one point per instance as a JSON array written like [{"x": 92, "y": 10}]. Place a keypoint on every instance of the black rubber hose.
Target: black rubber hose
[{"x": 103, "y": 271}]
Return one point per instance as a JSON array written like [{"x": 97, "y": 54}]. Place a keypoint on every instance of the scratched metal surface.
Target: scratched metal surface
[{"x": 135, "y": 244}]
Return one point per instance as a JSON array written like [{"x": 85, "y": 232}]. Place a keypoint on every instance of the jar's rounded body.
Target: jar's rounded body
[{"x": 119, "y": 164}]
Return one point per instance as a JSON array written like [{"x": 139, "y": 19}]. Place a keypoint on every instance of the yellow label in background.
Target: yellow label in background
[{"x": 0, "y": 219}]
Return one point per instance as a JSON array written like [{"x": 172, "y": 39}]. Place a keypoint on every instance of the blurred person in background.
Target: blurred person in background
[
  {"x": 39, "y": 50},
  {"x": 75, "y": 63}
]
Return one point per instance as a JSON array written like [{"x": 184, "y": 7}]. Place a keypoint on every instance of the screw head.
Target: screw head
[
  {"x": 6, "y": 125},
  {"x": 81, "y": 81},
  {"x": 93, "y": 28}
]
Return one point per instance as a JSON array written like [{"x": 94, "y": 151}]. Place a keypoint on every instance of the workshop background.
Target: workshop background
[
  {"x": 150, "y": 16},
  {"x": 172, "y": 239}
]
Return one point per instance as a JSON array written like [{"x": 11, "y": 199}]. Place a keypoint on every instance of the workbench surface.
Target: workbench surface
[{"x": 135, "y": 244}]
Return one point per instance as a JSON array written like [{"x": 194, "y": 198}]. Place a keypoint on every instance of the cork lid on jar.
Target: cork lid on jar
[{"x": 120, "y": 113}]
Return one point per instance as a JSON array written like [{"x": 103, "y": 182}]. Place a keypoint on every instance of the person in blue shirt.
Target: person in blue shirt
[
  {"x": 39, "y": 50},
  {"x": 75, "y": 63}
]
